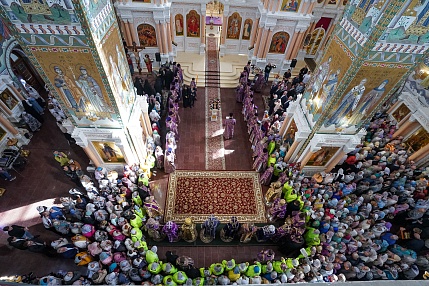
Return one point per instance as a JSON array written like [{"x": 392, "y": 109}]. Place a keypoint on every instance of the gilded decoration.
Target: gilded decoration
[
  {"x": 193, "y": 24},
  {"x": 234, "y": 26},
  {"x": 400, "y": 113},
  {"x": 147, "y": 35},
  {"x": 279, "y": 43},
  {"x": 290, "y": 5},
  {"x": 198, "y": 194},
  {"x": 418, "y": 140},
  {"x": 322, "y": 156}
]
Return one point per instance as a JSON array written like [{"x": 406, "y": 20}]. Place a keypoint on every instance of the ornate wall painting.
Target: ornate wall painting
[
  {"x": 327, "y": 75},
  {"x": 109, "y": 152},
  {"x": 279, "y": 43},
  {"x": 234, "y": 26},
  {"x": 193, "y": 24},
  {"x": 117, "y": 70},
  {"x": 74, "y": 75},
  {"x": 41, "y": 11},
  {"x": 8, "y": 99},
  {"x": 371, "y": 17},
  {"x": 290, "y": 5},
  {"x": 147, "y": 35},
  {"x": 413, "y": 25},
  {"x": 322, "y": 156},
  {"x": 247, "y": 29},
  {"x": 400, "y": 113},
  {"x": 378, "y": 81},
  {"x": 178, "y": 23},
  {"x": 5, "y": 36},
  {"x": 360, "y": 10},
  {"x": 418, "y": 140},
  {"x": 100, "y": 15}
]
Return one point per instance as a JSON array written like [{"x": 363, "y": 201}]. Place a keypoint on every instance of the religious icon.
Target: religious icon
[
  {"x": 234, "y": 26},
  {"x": 178, "y": 22},
  {"x": 147, "y": 35},
  {"x": 247, "y": 29},
  {"x": 8, "y": 99},
  {"x": 367, "y": 102},
  {"x": 418, "y": 140},
  {"x": 193, "y": 24},
  {"x": 69, "y": 90},
  {"x": 279, "y": 43},
  {"x": 342, "y": 113},
  {"x": 400, "y": 113},
  {"x": 322, "y": 156},
  {"x": 109, "y": 152},
  {"x": 92, "y": 91},
  {"x": 290, "y": 5}
]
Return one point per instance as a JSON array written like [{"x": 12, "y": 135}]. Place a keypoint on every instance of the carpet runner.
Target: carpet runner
[
  {"x": 215, "y": 155},
  {"x": 198, "y": 194}
]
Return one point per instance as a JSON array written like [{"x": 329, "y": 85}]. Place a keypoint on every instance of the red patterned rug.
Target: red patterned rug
[{"x": 198, "y": 194}]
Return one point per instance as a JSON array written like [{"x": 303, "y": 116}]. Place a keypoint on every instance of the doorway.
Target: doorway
[
  {"x": 214, "y": 19},
  {"x": 23, "y": 69}
]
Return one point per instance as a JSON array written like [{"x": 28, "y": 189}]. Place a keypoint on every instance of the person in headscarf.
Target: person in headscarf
[{"x": 30, "y": 109}]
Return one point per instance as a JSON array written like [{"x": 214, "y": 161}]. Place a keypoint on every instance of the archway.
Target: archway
[
  {"x": 19, "y": 67},
  {"x": 214, "y": 19}
]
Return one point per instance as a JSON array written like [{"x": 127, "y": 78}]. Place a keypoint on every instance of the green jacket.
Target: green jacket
[
  {"x": 311, "y": 238},
  {"x": 277, "y": 265},
  {"x": 136, "y": 222},
  {"x": 138, "y": 236},
  {"x": 205, "y": 272},
  {"x": 217, "y": 269},
  {"x": 170, "y": 282},
  {"x": 154, "y": 267},
  {"x": 172, "y": 270},
  {"x": 198, "y": 281},
  {"x": 254, "y": 270},
  {"x": 151, "y": 256},
  {"x": 177, "y": 279},
  {"x": 225, "y": 264}
]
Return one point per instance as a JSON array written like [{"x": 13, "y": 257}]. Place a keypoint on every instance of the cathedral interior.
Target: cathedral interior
[{"x": 354, "y": 82}]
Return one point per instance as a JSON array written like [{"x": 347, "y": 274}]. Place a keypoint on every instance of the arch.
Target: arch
[
  {"x": 279, "y": 43},
  {"x": 234, "y": 26},
  {"x": 147, "y": 35},
  {"x": 193, "y": 27}
]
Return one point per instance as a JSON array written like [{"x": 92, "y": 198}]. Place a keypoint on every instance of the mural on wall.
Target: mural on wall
[
  {"x": 279, "y": 43},
  {"x": 40, "y": 11},
  {"x": 100, "y": 15},
  {"x": 247, "y": 29},
  {"x": 109, "y": 152},
  {"x": 4, "y": 39},
  {"x": 290, "y": 5},
  {"x": 147, "y": 35},
  {"x": 178, "y": 23},
  {"x": 8, "y": 99},
  {"x": 418, "y": 140},
  {"x": 74, "y": 75},
  {"x": 234, "y": 26},
  {"x": 118, "y": 72},
  {"x": 413, "y": 25},
  {"x": 322, "y": 157},
  {"x": 193, "y": 24},
  {"x": 401, "y": 112},
  {"x": 366, "y": 24},
  {"x": 327, "y": 75},
  {"x": 371, "y": 84},
  {"x": 359, "y": 9}
]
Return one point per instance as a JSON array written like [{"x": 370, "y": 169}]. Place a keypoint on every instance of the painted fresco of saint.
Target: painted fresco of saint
[
  {"x": 347, "y": 105},
  {"x": 70, "y": 90},
  {"x": 367, "y": 102},
  {"x": 92, "y": 91}
]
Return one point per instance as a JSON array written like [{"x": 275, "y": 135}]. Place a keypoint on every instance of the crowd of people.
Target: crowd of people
[{"x": 367, "y": 220}]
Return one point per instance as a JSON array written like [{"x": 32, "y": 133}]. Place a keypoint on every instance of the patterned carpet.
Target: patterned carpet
[
  {"x": 215, "y": 157},
  {"x": 198, "y": 194},
  {"x": 266, "y": 99}
]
